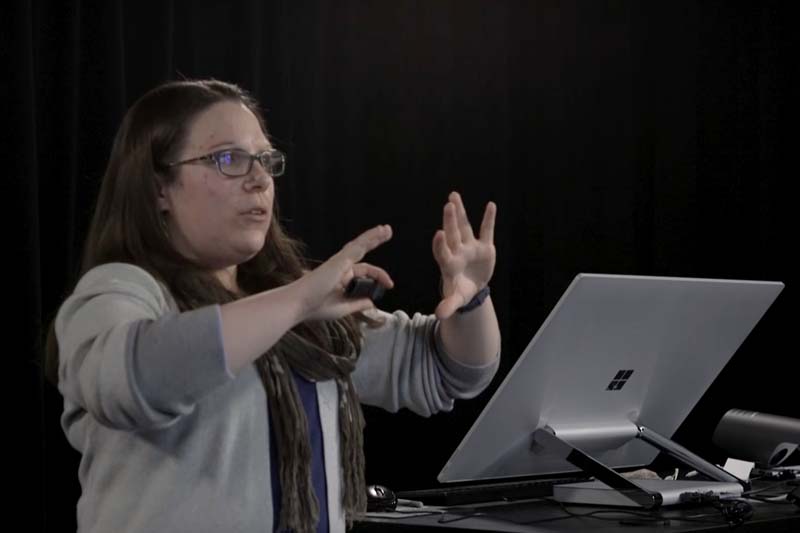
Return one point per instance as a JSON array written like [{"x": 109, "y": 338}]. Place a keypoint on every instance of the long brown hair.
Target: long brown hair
[{"x": 127, "y": 226}]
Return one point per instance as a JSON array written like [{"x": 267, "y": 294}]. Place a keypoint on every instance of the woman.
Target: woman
[{"x": 211, "y": 379}]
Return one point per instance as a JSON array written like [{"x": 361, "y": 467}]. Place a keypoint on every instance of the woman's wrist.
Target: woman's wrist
[{"x": 476, "y": 301}]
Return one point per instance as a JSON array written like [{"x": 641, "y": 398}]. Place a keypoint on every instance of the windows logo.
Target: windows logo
[{"x": 620, "y": 380}]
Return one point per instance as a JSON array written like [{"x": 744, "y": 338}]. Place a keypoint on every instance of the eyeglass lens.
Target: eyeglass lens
[{"x": 238, "y": 163}]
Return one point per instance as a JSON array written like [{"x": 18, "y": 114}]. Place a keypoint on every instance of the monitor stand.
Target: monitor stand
[{"x": 615, "y": 489}]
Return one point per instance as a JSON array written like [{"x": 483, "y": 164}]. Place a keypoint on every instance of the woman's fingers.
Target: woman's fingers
[
  {"x": 371, "y": 271},
  {"x": 354, "y": 306},
  {"x": 322, "y": 287},
  {"x": 487, "y": 226},
  {"x": 356, "y": 249},
  {"x": 464, "y": 227},
  {"x": 450, "y": 224},
  {"x": 441, "y": 252}
]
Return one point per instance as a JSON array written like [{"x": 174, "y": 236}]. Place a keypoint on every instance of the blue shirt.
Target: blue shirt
[{"x": 308, "y": 395}]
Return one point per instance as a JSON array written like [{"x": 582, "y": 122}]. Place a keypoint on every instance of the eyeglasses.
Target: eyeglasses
[{"x": 235, "y": 163}]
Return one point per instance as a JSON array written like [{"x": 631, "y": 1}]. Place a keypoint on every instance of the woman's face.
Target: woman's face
[{"x": 215, "y": 220}]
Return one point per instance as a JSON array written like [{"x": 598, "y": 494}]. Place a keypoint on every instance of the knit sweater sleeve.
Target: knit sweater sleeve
[
  {"x": 127, "y": 357},
  {"x": 403, "y": 364}
]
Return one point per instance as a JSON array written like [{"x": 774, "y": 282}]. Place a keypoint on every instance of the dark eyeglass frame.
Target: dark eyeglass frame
[{"x": 266, "y": 158}]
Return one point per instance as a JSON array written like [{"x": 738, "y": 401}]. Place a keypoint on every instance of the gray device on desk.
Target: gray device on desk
[{"x": 611, "y": 374}]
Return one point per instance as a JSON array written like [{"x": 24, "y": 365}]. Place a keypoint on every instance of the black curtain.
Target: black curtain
[{"x": 615, "y": 136}]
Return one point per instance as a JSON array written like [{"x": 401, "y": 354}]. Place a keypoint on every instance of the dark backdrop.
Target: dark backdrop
[{"x": 615, "y": 136}]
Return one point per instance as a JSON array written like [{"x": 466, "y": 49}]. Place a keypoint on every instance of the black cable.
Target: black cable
[
  {"x": 770, "y": 498},
  {"x": 767, "y": 500},
  {"x": 650, "y": 516},
  {"x": 732, "y": 515},
  {"x": 771, "y": 487},
  {"x": 458, "y": 518},
  {"x": 735, "y": 512},
  {"x": 412, "y": 513}
]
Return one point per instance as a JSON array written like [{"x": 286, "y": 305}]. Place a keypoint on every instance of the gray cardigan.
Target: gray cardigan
[{"x": 171, "y": 441}]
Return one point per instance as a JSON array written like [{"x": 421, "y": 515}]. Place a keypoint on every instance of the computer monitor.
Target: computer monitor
[{"x": 619, "y": 357}]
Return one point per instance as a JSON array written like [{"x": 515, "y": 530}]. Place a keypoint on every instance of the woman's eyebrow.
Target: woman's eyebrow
[
  {"x": 231, "y": 144},
  {"x": 220, "y": 145}
]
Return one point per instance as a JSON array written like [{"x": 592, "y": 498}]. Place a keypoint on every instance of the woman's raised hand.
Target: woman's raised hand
[
  {"x": 466, "y": 262},
  {"x": 322, "y": 289}
]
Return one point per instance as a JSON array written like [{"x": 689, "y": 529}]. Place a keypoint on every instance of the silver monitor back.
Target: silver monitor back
[{"x": 616, "y": 351}]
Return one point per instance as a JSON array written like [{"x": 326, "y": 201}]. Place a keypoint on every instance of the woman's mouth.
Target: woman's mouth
[{"x": 256, "y": 214}]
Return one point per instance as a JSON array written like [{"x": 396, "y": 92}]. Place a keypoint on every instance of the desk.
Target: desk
[{"x": 548, "y": 516}]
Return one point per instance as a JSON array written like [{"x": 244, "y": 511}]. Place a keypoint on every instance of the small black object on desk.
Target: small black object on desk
[{"x": 379, "y": 498}]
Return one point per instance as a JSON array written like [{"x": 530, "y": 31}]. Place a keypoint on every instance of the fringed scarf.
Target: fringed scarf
[{"x": 299, "y": 505}]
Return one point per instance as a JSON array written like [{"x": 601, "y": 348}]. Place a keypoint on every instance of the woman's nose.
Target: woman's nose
[{"x": 258, "y": 180}]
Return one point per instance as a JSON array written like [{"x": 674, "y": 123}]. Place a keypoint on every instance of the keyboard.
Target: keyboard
[{"x": 487, "y": 492}]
